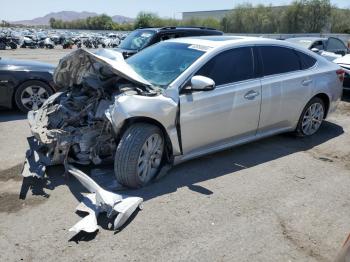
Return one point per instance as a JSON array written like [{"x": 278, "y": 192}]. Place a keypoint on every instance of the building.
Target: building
[{"x": 217, "y": 14}]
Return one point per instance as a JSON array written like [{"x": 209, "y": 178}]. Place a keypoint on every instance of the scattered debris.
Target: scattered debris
[{"x": 115, "y": 205}]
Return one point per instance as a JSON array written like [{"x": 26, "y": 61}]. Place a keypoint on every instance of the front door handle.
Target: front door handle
[
  {"x": 306, "y": 82},
  {"x": 251, "y": 95}
]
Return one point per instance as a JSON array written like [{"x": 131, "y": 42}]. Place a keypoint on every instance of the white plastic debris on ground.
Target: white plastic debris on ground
[{"x": 117, "y": 206}]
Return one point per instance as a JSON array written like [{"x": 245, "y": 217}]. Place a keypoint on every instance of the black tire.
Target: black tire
[
  {"x": 299, "y": 130},
  {"x": 35, "y": 84},
  {"x": 129, "y": 151}
]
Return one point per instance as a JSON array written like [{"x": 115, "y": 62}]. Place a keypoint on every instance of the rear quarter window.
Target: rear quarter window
[
  {"x": 306, "y": 61},
  {"x": 278, "y": 60}
]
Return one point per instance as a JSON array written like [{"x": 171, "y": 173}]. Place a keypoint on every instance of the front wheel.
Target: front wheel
[
  {"x": 139, "y": 155},
  {"x": 311, "y": 117}
]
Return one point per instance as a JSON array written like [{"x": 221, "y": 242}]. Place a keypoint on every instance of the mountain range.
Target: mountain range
[{"x": 69, "y": 16}]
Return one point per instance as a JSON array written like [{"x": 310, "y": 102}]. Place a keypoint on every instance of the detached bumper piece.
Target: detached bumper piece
[
  {"x": 35, "y": 162},
  {"x": 117, "y": 206}
]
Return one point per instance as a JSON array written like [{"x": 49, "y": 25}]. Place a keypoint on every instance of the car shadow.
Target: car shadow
[
  {"x": 7, "y": 115},
  {"x": 190, "y": 173},
  {"x": 228, "y": 162}
]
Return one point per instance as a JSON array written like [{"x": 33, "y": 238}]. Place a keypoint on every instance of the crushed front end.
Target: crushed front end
[{"x": 71, "y": 126}]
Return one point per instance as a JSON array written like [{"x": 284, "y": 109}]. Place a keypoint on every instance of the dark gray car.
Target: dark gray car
[{"x": 25, "y": 84}]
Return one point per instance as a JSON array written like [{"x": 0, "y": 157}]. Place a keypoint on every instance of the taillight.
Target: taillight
[{"x": 341, "y": 74}]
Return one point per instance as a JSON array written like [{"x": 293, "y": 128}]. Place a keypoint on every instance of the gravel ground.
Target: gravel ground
[{"x": 278, "y": 199}]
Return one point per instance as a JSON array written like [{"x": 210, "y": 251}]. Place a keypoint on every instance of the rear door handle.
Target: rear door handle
[
  {"x": 306, "y": 82},
  {"x": 250, "y": 95}
]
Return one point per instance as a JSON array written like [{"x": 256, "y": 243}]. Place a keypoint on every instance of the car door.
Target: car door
[
  {"x": 209, "y": 119},
  {"x": 8, "y": 83},
  {"x": 285, "y": 88}
]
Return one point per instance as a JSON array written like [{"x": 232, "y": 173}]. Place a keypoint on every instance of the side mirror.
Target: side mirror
[
  {"x": 202, "y": 83},
  {"x": 316, "y": 50}
]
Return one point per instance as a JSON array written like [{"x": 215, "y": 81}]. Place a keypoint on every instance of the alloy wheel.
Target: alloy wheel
[
  {"x": 312, "y": 119},
  {"x": 150, "y": 157},
  {"x": 33, "y": 97}
]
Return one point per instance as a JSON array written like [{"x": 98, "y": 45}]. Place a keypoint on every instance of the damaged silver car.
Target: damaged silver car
[{"x": 178, "y": 100}]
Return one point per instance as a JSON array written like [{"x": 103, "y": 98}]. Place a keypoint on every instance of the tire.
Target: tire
[
  {"x": 26, "y": 101},
  {"x": 13, "y": 45},
  {"x": 2, "y": 46},
  {"x": 308, "y": 126},
  {"x": 135, "y": 165}
]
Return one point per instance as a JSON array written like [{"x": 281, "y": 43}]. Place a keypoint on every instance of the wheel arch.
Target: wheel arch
[
  {"x": 326, "y": 100},
  {"x": 142, "y": 119}
]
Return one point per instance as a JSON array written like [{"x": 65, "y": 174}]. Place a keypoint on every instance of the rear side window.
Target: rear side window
[
  {"x": 306, "y": 61},
  {"x": 335, "y": 44},
  {"x": 278, "y": 60},
  {"x": 230, "y": 66}
]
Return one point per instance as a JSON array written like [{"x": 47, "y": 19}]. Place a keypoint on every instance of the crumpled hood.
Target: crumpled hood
[{"x": 73, "y": 67}]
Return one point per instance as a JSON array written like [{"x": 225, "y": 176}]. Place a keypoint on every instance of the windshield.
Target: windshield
[
  {"x": 137, "y": 40},
  {"x": 162, "y": 63}
]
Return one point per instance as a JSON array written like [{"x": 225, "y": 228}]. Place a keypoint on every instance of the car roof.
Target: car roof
[
  {"x": 178, "y": 28},
  {"x": 309, "y": 38},
  {"x": 218, "y": 41}
]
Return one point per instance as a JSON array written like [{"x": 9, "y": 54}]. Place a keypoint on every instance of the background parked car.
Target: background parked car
[
  {"x": 144, "y": 37},
  {"x": 330, "y": 48},
  {"x": 25, "y": 84},
  {"x": 344, "y": 62}
]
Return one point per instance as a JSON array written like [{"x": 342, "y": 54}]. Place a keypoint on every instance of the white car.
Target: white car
[
  {"x": 344, "y": 62},
  {"x": 330, "y": 48},
  {"x": 178, "y": 100}
]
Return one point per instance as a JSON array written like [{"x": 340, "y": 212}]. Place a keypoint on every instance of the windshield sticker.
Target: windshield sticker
[{"x": 200, "y": 47}]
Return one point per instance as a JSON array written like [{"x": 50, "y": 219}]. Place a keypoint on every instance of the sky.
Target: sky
[{"x": 12, "y": 10}]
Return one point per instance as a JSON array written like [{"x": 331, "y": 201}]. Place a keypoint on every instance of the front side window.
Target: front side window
[
  {"x": 230, "y": 66},
  {"x": 318, "y": 45},
  {"x": 162, "y": 63},
  {"x": 278, "y": 60}
]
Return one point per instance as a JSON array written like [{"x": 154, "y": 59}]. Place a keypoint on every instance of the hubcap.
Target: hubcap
[
  {"x": 150, "y": 157},
  {"x": 33, "y": 97},
  {"x": 312, "y": 119}
]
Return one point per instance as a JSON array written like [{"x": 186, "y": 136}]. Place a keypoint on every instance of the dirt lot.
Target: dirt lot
[{"x": 279, "y": 199}]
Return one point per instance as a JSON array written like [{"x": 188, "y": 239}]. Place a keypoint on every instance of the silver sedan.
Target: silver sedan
[{"x": 181, "y": 99}]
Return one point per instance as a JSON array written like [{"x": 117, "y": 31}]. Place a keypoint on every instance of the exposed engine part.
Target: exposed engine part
[{"x": 72, "y": 125}]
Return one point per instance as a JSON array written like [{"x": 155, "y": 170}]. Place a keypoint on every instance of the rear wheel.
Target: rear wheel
[
  {"x": 31, "y": 95},
  {"x": 139, "y": 155},
  {"x": 311, "y": 118}
]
